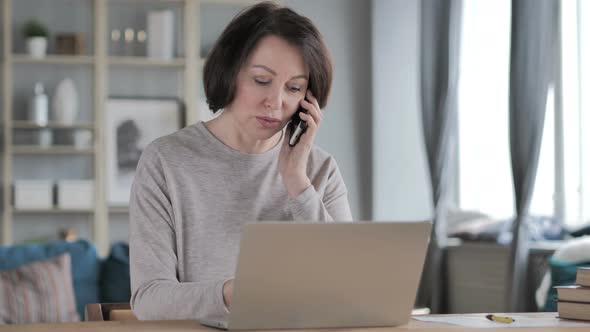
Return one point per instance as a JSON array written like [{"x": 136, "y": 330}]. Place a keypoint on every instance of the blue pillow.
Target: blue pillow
[
  {"x": 562, "y": 274},
  {"x": 115, "y": 283},
  {"x": 85, "y": 265}
]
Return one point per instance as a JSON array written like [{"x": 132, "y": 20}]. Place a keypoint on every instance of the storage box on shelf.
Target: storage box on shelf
[
  {"x": 33, "y": 194},
  {"x": 75, "y": 194}
]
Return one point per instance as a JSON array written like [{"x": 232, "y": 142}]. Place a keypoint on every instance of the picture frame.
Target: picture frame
[
  {"x": 130, "y": 125},
  {"x": 70, "y": 44}
]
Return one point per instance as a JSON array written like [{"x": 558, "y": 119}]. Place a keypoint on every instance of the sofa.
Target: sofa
[{"x": 94, "y": 279}]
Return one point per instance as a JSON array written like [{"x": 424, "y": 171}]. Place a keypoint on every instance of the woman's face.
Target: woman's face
[{"x": 269, "y": 88}]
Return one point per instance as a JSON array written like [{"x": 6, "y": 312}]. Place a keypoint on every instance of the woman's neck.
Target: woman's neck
[{"x": 227, "y": 130}]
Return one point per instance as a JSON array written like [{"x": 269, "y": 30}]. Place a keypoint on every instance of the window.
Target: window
[
  {"x": 485, "y": 176},
  {"x": 562, "y": 185},
  {"x": 577, "y": 156},
  {"x": 571, "y": 115},
  {"x": 584, "y": 56}
]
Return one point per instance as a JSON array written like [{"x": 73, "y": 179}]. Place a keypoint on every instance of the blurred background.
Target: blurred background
[{"x": 473, "y": 114}]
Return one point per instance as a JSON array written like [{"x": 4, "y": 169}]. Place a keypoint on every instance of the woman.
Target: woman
[{"x": 195, "y": 189}]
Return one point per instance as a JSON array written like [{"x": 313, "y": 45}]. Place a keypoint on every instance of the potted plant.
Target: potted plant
[{"x": 35, "y": 34}]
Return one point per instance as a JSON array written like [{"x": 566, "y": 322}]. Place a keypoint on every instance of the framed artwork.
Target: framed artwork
[{"x": 130, "y": 125}]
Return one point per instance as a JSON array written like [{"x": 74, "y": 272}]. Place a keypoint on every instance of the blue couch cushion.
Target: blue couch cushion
[
  {"x": 85, "y": 265},
  {"x": 115, "y": 284},
  {"x": 562, "y": 274}
]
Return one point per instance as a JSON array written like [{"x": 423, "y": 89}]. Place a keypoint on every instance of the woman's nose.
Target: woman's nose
[{"x": 274, "y": 99}]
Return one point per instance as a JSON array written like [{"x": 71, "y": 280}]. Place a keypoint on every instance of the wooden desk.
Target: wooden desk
[{"x": 176, "y": 326}]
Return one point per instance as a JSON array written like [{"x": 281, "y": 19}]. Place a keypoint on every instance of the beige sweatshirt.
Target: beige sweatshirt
[{"x": 190, "y": 197}]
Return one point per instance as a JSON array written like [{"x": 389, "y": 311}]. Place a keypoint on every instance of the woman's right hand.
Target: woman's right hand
[{"x": 228, "y": 290}]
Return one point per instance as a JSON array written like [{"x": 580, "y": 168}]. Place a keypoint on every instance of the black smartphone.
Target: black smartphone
[{"x": 297, "y": 126}]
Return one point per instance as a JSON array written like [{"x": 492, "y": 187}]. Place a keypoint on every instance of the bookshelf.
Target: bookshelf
[
  {"x": 20, "y": 124},
  {"x": 52, "y": 211},
  {"x": 54, "y": 59},
  {"x": 97, "y": 68},
  {"x": 32, "y": 149},
  {"x": 145, "y": 62}
]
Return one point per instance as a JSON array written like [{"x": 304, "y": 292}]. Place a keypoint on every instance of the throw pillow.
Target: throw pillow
[
  {"x": 85, "y": 264},
  {"x": 40, "y": 292}
]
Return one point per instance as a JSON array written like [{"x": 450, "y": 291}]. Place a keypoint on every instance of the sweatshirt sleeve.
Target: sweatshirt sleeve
[
  {"x": 332, "y": 205},
  {"x": 156, "y": 292}
]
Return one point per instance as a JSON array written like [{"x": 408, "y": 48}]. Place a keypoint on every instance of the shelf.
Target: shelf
[
  {"x": 230, "y": 2},
  {"x": 20, "y": 124},
  {"x": 119, "y": 209},
  {"x": 91, "y": 72},
  {"x": 52, "y": 211},
  {"x": 155, "y": 1},
  {"x": 55, "y": 59},
  {"x": 32, "y": 149},
  {"x": 145, "y": 62},
  {"x": 215, "y": 2}
]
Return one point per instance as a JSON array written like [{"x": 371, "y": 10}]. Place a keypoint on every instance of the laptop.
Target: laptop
[{"x": 326, "y": 275}]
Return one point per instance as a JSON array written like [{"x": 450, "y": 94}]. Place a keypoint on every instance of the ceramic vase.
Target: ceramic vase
[
  {"x": 37, "y": 47},
  {"x": 65, "y": 102}
]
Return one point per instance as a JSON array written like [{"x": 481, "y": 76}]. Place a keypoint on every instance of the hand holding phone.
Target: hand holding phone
[
  {"x": 297, "y": 127},
  {"x": 293, "y": 160}
]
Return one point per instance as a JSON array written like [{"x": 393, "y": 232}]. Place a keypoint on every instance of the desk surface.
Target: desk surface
[{"x": 174, "y": 326}]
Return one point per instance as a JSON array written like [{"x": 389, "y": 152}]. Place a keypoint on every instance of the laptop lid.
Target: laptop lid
[{"x": 316, "y": 275}]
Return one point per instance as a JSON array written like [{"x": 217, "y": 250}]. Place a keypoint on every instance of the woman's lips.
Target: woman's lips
[{"x": 268, "y": 123}]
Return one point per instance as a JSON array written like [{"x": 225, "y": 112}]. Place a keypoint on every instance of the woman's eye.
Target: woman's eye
[
  {"x": 261, "y": 82},
  {"x": 295, "y": 88}
]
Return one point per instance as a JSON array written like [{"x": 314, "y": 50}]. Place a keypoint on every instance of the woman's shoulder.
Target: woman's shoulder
[
  {"x": 322, "y": 169},
  {"x": 178, "y": 138},
  {"x": 174, "y": 144},
  {"x": 320, "y": 158}
]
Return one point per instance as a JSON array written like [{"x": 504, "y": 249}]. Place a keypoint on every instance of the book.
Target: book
[
  {"x": 574, "y": 293},
  {"x": 583, "y": 276},
  {"x": 160, "y": 31},
  {"x": 573, "y": 310}
]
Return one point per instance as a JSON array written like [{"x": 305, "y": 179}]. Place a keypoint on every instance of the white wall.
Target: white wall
[
  {"x": 400, "y": 174},
  {"x": 372, "y": 122},
  {"x": 346, "y": 129}
]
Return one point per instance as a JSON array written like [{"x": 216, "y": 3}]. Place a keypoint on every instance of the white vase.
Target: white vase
[
  {"x": 65, "y": 102},
  {"x": 37, "y": 47}
]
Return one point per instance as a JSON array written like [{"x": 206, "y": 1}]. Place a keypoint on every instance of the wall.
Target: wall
[
  {"x": 346, "y": 129},
  {"x": 400, "y": 173}
]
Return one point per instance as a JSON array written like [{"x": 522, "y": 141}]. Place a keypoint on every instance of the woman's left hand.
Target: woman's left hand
[{"x": 293, "y": 160}]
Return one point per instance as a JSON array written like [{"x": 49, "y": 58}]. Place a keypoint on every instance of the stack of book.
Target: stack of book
[{"x": 573, "y": 302}]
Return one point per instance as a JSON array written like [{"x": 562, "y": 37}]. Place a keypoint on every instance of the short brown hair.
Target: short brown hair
[{"x": 241, "y": 36}]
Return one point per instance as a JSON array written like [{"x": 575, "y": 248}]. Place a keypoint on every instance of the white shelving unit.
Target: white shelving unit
[
  {"x": 144, "y": 62},
  {"x": 100, "y": 62},
  {"x": 33, "y": 149},
  {"x": 55, "y": 59},
  {"x": 52, "y": 211},
  {"x": 20, "y": 124}
]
